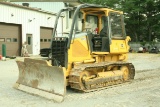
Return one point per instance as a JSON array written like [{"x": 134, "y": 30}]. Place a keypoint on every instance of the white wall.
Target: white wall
[{"x": 22, "y": 16}]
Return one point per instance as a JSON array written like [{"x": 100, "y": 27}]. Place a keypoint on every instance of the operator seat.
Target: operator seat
[
  {"x": 105, "y": 40},
  {"x": 103, "y": 32}
]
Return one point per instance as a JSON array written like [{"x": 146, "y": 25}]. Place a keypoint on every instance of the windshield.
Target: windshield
[
  {"x": 91, "y": 23},
  {"x": 116, "y": 24}
]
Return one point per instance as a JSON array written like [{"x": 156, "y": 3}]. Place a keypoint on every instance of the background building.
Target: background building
[
  {"x": 24, "y": 23},
  {"x": 33, "y": 22}
]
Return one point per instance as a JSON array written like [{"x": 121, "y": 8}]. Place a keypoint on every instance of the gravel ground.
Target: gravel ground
[{"x": 143, "y": 91}]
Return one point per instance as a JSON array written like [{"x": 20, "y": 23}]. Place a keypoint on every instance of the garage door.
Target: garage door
[
  {"x": 10, "y": 34},
  {"x": 45, "y": 37}
]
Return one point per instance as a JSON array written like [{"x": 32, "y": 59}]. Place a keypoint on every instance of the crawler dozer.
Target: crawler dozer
[{"x": 89, "y": 58}]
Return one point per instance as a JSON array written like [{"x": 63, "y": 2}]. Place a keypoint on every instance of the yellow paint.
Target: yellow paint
[
  {"x": 79, "y": 51},
  {"x": 100, "y": 53}
]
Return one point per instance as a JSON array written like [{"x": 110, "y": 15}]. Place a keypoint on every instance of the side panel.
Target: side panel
[
  {"x": 79, "y": 50},
  {"x": 119, "y": 46}
]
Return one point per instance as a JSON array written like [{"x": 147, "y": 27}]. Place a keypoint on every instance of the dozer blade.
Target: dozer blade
[{"x": 38, "y": 77}]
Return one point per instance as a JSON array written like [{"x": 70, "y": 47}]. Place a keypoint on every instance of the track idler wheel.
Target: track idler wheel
[
  {"x": 84, "y": 76},
  {"x": 125, "y": 71},
  {"x": 128, "y": 72}
]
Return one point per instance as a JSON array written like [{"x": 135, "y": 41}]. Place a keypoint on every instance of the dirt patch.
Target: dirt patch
[{"x": 143, "y": 91}]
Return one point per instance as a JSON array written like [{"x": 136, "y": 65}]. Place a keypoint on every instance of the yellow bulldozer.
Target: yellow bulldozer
[{"x": 87, "y": 59}]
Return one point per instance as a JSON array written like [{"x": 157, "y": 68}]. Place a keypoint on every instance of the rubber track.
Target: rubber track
[{"x": 77, "y": 71}]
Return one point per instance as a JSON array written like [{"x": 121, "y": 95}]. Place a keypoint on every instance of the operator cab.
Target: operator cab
[
  {"x": 98, "y": 26},
  {"x": 102, "y": 26}
]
